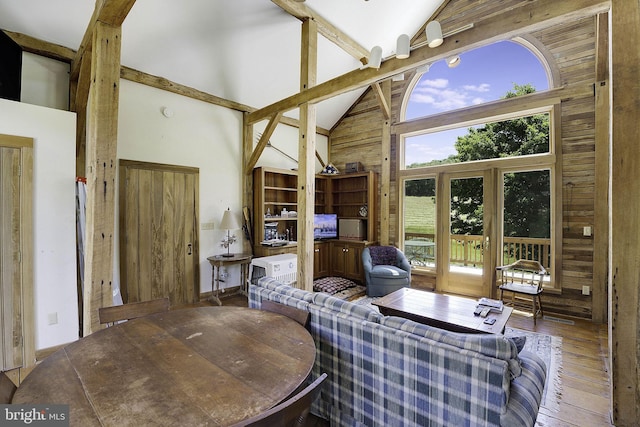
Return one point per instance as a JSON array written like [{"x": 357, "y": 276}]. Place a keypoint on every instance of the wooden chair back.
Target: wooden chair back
[
  {"x": 7, "y": 389},
  {"x": 297, "y": 314},
  {"x": 522, "y": 272},
  {"x": 110, "y": 315},
  {"x": 291, "y": 412}
]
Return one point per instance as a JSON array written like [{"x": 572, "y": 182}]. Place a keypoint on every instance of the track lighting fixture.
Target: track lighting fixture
[
  {"x": 434, "y": 34},
  {"x": 453, "y": 61},
  {"x": 402, "y": 47},
  {"x": 375, "y": 58}
]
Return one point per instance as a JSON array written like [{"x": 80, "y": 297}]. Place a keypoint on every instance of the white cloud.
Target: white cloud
[
  {"x": 439, "y": 83},
  {"x": 441, "y": 97},
  {"x": 483, "y": 87}
]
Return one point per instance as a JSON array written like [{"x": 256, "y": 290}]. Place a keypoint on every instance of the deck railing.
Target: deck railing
[{"x": 467, "y": 250}]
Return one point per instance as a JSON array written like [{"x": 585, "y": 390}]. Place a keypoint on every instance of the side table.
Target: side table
[{"x": 219, "y": 261}]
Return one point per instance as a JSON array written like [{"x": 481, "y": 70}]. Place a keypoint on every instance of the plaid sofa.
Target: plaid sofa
[{"x": 388, "y": 371}]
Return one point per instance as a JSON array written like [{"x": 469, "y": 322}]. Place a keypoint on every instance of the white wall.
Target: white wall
[
  {"x": 285, "y": 138},
  {"x": 205, "y": 136},
  {"x": 54, "y": 215},
  {"x": 45, "y": 82},
  {"x": 198, "y": 135}
]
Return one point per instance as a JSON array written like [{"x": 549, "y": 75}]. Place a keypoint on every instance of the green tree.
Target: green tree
[{"x": 526, "y": 195}]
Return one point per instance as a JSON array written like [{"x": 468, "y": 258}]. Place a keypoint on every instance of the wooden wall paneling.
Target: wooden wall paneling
[{"x": 571, "y": 43}]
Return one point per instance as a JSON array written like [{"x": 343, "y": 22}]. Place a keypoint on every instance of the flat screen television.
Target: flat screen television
[{"x": 325, "y": 226}]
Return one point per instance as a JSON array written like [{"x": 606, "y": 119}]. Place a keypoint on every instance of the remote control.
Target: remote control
[
  {"x": 477, "y": 311},
  {"x": 485, "y": 312}
]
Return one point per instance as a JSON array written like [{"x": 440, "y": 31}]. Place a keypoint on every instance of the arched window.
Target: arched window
[
  {"x": 478, "y": 167},
  {"x": 482, "y": 75}
]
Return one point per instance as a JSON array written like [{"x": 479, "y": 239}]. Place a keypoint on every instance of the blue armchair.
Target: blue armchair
[{"x": 386, "y": 269}]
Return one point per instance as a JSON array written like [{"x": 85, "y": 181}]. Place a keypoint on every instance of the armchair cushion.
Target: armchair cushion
[{"x": 383, "y": 255}]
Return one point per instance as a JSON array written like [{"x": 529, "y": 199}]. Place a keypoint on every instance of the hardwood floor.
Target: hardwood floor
[{"x": 584, "y": 373}]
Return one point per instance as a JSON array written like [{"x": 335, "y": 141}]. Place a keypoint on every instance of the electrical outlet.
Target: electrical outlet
[
  {"x": 586, "y": 231},
  {"x": 586, "y": 290}
]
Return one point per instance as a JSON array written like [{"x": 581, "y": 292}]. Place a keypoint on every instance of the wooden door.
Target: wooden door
[
  {"x": 158, "y": 232},
  {"x": 467, "y": 212},
  {"x": 16, "y": 248}
]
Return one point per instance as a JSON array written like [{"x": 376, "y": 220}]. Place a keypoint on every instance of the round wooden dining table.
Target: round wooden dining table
[{"x": 189, "y": 367}]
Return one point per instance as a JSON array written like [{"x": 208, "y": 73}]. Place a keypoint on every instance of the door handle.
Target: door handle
[{"x": 189, "y": 249}]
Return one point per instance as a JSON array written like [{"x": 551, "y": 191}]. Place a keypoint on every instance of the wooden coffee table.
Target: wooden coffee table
[{"x": 443, "y": 311}]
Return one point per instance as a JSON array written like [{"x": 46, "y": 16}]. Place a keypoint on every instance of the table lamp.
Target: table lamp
[{"x": 229, "y": 222}]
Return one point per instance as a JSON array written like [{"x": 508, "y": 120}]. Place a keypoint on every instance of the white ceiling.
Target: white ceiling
[{"x": 247, "y": 51}]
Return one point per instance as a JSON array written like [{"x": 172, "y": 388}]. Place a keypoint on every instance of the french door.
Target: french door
[{"x": 466, "y": 241}]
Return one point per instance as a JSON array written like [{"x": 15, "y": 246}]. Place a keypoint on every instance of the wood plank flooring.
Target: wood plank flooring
[{"x": 584, "y": 374}]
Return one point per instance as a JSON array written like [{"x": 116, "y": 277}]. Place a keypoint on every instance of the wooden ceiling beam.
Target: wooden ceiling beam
[
  {"x": 110, "y": 12},
  {"x": 325, "y": 28},
  {"x": 385, "y": 107},
  {"x": 40, "y": 47},
  {"x": 65, "y": 54},
  {"x": 531, "y": 17},
  {"x": 262, "y": 143}
]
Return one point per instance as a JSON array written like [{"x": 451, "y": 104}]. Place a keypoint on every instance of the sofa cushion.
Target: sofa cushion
[
  {"x": 388, "y": 271},
  {"x": 383, "y": 255},
  {"x": 496, "y": 346},
  {"x": 365, "y": 312},
  {"x": 272, "y": 284},
  {"x": 332, "y": 285}
]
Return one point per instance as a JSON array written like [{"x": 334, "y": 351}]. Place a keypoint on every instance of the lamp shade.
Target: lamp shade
[
  {"x": 434, "y": 34},
  {"x": 402, "y": 47},
  {"x": 229, "y": 221}
]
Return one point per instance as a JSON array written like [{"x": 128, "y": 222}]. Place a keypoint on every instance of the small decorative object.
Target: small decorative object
[
  {"x": 364, "y": 211},
  {"x": 329, "y": 169},
  {"x": 353, "y": 167},
  {"x": 229, "y": 222}
]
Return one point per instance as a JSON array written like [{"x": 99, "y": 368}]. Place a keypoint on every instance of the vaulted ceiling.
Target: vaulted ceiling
[{"x": 246, "y": 51}]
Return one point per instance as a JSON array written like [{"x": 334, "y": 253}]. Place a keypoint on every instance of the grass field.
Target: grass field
[{"x": 419, "y": 214}]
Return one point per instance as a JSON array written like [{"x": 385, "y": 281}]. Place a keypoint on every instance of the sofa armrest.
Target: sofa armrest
[{"x": 526, "y": 391}]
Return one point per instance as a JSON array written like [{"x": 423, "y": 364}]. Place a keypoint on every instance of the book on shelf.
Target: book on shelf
[{"x": 494, "y": 304}]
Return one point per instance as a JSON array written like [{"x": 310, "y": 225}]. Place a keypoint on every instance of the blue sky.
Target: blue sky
[{"x": 484, "y": 74}]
